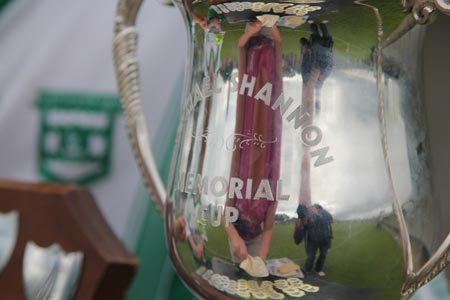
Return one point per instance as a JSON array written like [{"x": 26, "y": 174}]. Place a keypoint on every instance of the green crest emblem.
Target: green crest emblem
[{"x": 76, "y": 136}]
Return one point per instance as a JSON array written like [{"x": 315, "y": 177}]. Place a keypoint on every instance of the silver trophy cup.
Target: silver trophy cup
[{"x": 301, "y": 160}]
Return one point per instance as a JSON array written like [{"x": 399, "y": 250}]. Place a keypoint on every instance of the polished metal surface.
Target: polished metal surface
[
  {"x": 50, "y": 273},
  {"x": 9, "y": 229},
  {"x": 305, "y": 116}
]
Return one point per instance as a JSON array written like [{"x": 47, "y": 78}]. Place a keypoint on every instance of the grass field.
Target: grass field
[
  {"x": 353, "y": 28},
  {"x": 356, "y": 257}
]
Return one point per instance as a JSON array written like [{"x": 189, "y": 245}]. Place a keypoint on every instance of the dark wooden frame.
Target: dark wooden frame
[{"x": 69, "y": 216}]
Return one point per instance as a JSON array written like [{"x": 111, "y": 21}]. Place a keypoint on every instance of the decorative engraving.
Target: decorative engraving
[
  {"x": 234, "y": 141},
  {"x": 241, "y": 140},
  {"x": 433, "y": 267},
  {"x": 211, "y": 139},
  {"x": 299, "y": 10},
  {"x": 50, "y": 273}
]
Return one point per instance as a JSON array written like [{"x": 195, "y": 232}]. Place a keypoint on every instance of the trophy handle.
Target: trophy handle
[
  {"x": 421, "y": 11},
  {"x": 441, "y": 258},
  {"x": 127, "y": 74}
]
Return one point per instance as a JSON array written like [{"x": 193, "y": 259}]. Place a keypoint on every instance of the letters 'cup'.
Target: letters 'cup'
[{"x": 300, "y": 163}]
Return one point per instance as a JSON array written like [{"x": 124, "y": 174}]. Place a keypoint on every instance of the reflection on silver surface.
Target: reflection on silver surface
[
  {"x": 297, "y": 115},
  {"x": 50, "y": 273},
  {"x": 9, "y": 227}
]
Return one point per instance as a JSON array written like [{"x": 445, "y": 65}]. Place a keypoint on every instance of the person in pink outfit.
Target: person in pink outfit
[{"x": 260, "y": 57}]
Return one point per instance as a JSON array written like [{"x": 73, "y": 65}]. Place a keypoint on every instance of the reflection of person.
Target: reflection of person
[
  {"x": 179, "y": 228},
  {"x": 317, "y": 61},
  {"x": 195, "y": 230},
  {"x": 205, "y": 22},
  {"x": 314, "y": 223},
  {"x": 259, "y": 59}
]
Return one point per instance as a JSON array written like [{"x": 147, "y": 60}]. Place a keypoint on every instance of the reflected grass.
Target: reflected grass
[
  {"x": 353, "y": 28},
  {"x": 355, "y": 257}
]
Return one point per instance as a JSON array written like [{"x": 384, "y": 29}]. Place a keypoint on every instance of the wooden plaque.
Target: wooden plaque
[{"x": 66, "y": 215}]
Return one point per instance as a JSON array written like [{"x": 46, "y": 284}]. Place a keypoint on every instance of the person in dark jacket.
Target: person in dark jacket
[
  {"x": 317, "y": 63},
  {"x": 314, "y": 227}
]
